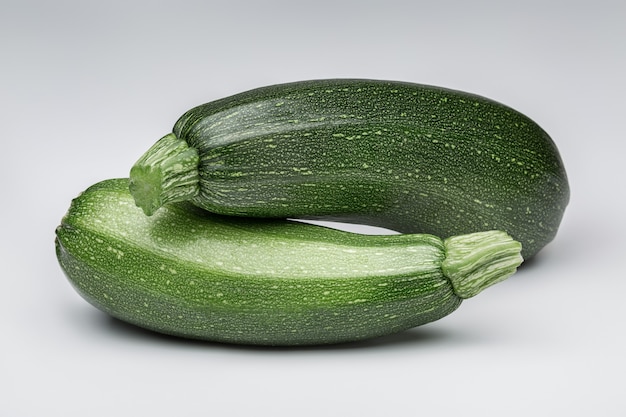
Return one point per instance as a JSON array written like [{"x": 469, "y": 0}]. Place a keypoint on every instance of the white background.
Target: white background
[{"x": 86, "y": 87}]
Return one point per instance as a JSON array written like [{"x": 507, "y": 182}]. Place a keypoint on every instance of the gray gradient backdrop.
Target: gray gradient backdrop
[{"x": 87, "y": 86}]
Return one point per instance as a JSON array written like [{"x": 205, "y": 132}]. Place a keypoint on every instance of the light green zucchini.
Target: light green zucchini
[
  {"x": 409, "y": 157},
  {"x": 190, "y": 273}
]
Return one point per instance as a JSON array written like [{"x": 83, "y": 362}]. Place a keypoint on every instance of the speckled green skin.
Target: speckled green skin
[
  {"x": 189, "y": 273},
  {"x": 413, "y": 158}
]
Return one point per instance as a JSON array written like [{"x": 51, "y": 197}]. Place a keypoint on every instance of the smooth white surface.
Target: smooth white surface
[{"x": 86, "y": 87}]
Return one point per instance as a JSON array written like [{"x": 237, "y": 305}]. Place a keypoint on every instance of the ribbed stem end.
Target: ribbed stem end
[
  {"x": 166, "y": 173},
  {"x": 478, "y": 260}
]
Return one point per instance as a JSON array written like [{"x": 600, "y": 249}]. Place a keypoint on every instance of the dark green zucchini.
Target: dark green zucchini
[
  {"x": 408, "y": 157},
  {"x": 194, "y": 274}
]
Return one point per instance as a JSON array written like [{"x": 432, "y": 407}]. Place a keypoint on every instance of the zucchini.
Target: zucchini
[
  {"x": 408, "y": 157},
  {"x": 194, "y": 274}
]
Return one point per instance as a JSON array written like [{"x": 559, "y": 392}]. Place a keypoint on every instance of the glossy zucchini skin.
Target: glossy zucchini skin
[
  {"x": 409, "y": 157},
  {"x": 190, "y": 273}
]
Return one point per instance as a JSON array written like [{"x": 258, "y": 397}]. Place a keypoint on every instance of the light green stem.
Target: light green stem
[
  {"x": 478, "y": 260},
  {"x": 166, "y": 173}
]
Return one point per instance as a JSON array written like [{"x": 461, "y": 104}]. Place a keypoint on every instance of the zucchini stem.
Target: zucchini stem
[
  {"x": 166, "y": 173},
  {"x": 476, "y": 261}
]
